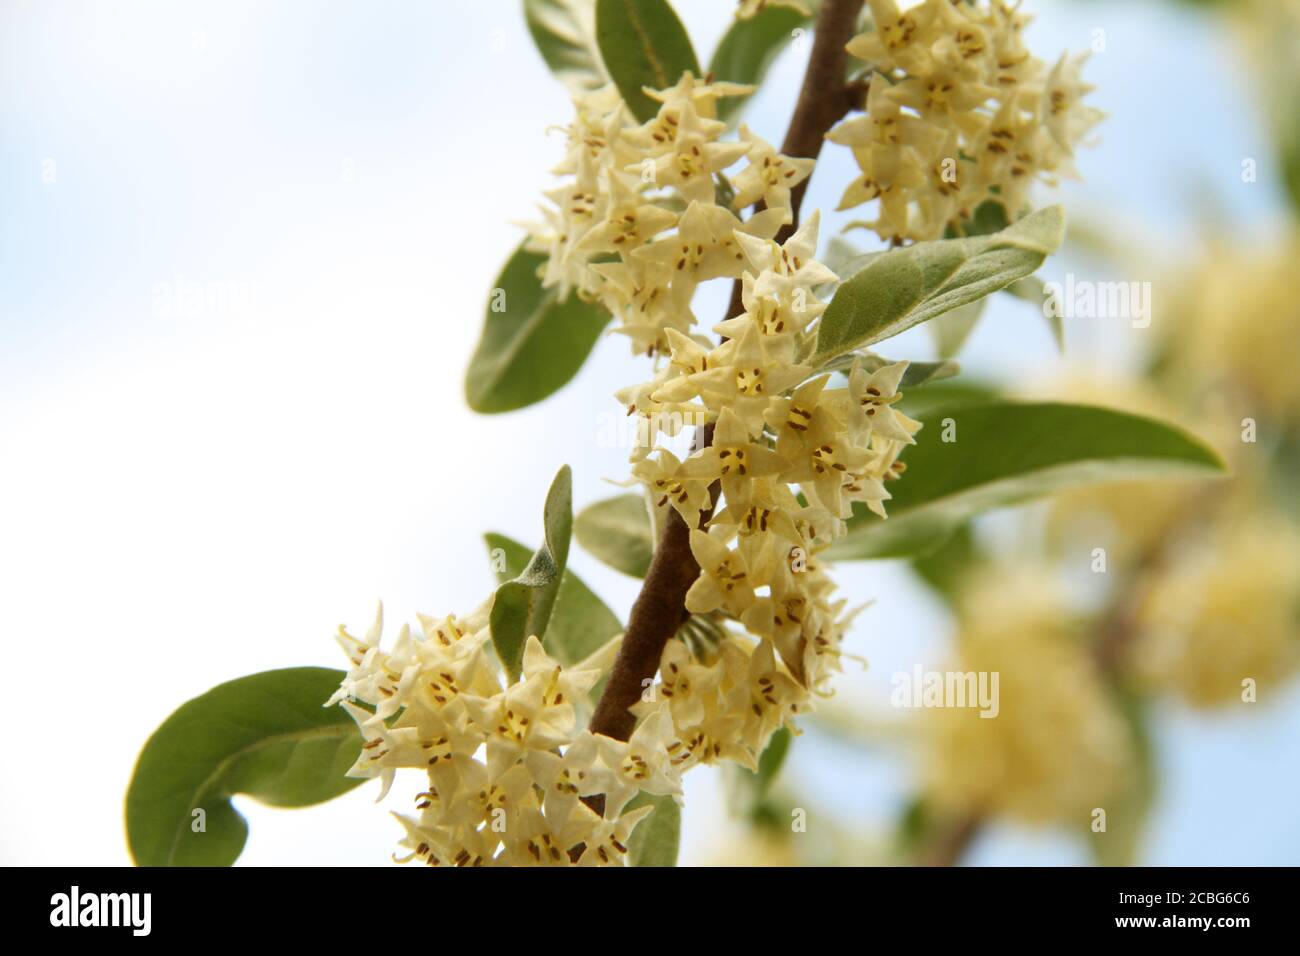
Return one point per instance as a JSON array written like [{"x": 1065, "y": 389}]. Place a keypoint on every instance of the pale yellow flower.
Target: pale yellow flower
[
  {"x": 1057, "y": 747},
  {"x": 1225, "y": 612}
]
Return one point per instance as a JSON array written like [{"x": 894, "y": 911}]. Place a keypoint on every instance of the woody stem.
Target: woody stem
[{"x": 660, "y": 608}]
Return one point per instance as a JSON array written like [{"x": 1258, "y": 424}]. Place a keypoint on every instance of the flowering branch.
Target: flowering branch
[{"x": 660, "y": 608}]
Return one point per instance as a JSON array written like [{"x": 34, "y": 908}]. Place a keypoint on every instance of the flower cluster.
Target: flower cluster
[
  {"x": 1232, "y": 318},
  {"x": 507, "y": 763},
  {"x": 787, "y": 454},
  {"x": 1213, "y": 572},
  {"x": 1224, "y": 613},
  {"x": 643, "y": 218},
  {"x": 788, "y": 457},
  {"x": 958, "y": 112},
  {"x": 626, "y": 185},
  {"x": 1059, "y": 747}
]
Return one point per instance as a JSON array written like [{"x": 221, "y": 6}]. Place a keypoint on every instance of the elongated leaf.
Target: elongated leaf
[
  {"x": 654, "y": 841},
  {"x": 565, "y": 34},
  {"x": 1127, "y": 812},
  {"x": 618, "y": 532},
  {"x": 1289, "y": 160},
  {"x": 524, "y": 604},
  {"x": 951, "y": 330},
  {"x": 580, "y": 621},
  {"x": 749, "y": 47},
  {"x": 945, "y": 569},
  {"x": 948, "y": 394},
  {"x": 748, "y": 790},
  {"x": 642, "y": 43},
  {"x": 904, "y": 287},
  {"x": 771, "y": 760},
  {"x": 532, "y": 343},
  {"x": 267, "y": 735},
  {"x": 1029, "y": 289},
  {"x": 1004, "y": 453},
  {"x": 917, "y": 373},
  {"x": 846, "y": 261}
]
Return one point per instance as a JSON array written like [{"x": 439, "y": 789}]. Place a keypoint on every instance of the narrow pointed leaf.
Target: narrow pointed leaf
[
  {"x": 524, "y": 604},
  {"x": 748, "y": 790},
  {"x": 266, "y": 735},
  {"x": 565, "y": 34},
  {"x": 642, "y": 43},
  {"x": 580, "y": 622},
  {"x": 905, "y": 287},
  {"x": 1005, "y": 453},
  {"x": 655, "y": 840}
]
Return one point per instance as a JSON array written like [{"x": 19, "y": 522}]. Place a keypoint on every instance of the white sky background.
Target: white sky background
[{"x": 191, "y": 495}]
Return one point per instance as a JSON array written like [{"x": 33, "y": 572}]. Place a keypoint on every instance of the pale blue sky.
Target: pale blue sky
[{"x": 189, "y": 495}]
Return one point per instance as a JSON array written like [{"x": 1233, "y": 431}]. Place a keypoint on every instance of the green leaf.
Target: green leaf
[
  {"x": 523, "y": 605},
  {"x": 1029, "y": 289},
  {"x": 655, "y": 839},
  {"x": 266, "y": 735},
  {"x": 618, "y": 532},
  {"x": 748, "y": 48},
  {"x": 951, "y": 330},
  {"x": 917, "y": 373},
  {"x": 990, "y": 217},
  {"x": 945, "y": 569},
  {"x": 1128, "y": 810},
  {"x": 580, "y": 621},
  {"x": 914, "y": 825},
  {"x": 748, "y": 790},
  {"x": 643, "y": 44},
  {"x": 905, "y": 287},
  {"x": 949, "y": 394},
  {"x": 1005, "y": 453},
  {"x": 770, "y": 762},
  {"x": 564, "y": 31},
  {"x": 1288, "y": 136},
  {"x": 532, "y": 343}
]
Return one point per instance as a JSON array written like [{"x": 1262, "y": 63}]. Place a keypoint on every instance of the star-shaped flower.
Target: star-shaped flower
[
  {"x": 727, "y": 577},
  {"x": 769, "y": 177},
  {"x": 638, "y": 763},
  {"x": 689, "y": 166},
  {"x": 629, "y": 220},
  {"x": 705, "y": 246},
  {"x": 794, "y": 259}
]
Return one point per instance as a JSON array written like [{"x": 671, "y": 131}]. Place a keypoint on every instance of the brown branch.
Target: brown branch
[
  {"x": 953, "y": 841},
  {"x": 660, "y": 608},
  {"x": 657, "y": 613},
  {"x": 825, "y": 96}
]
